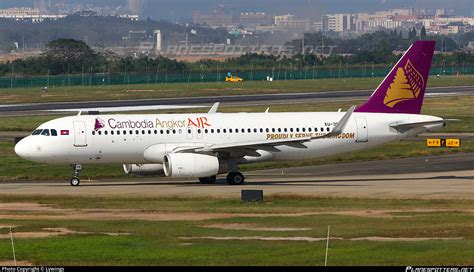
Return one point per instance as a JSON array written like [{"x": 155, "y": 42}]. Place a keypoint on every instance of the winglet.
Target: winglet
[
  {"x": 341, "y": 125},
  {"x": 214, "y": 108},
  {"x": 339, "y": 128}
]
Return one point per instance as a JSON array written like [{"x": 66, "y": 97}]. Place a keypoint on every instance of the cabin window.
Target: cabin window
[
  {"x": 297, "y": 129},
  {"x": 279, "y": 129},
  {"x": 224, "y": 130},
  {"x": 93, "y": 132},
  {"x": 100, "y": 132},
  {"x": 327, "y": 129},
  {"x": 273, "y": 129},
  {"x": 230, "y": 130},
  {"x": 310, "y": 130},
  {"x": 37, "y": 132},
  {"x": 291, "y": 129},
  {"x": 106, "y": 132},
  {"x": 112, "y": 132},
  {"x": 199, "y": 131},
  {"x": 45, "y": 132},
  {"x": 218, "y": 131},
  {"x": 118, "y": 132},
  {"x": 189, "y": 131}
]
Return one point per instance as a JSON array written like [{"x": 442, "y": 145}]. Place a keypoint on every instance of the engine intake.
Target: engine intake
[
  {"x": 187, "y": 165},
  {"x": 144, "y": 169}
]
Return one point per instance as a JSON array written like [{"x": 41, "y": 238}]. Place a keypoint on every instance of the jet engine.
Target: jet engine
[
  {"x": 188, "y": 165},
  {"x": 144, "y": 169}
]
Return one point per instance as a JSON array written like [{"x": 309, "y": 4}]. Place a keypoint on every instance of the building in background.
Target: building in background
[
  {"x": 136, "y": 6},
  {"x": 290, "y": 21},
  {"x": 214, "y": 20},
  {"x": 42, "y": 5},
  {"x": 158, "y": 42},
  {"x": 27, "y": 14},
  {"x": 338, "y": 23},
  {"x": 251, "y": 20}
]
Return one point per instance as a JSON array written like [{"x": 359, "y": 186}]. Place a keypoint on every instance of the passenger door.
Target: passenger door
[{"x": 80, "y": 139}]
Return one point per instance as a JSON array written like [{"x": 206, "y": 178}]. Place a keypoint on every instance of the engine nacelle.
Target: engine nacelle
[
  {"x": 144, "y": 169},
  {"x": 187, "y": 165}
]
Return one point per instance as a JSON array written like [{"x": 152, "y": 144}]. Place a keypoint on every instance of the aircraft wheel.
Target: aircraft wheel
[
  {"x": 208, "y": 180},
  {"x": 235, "y": 178},
  {"x": 75, "y": 182}
]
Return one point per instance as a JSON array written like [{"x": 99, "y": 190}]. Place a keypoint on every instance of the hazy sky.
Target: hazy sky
[{"x": 179, "y": 9}]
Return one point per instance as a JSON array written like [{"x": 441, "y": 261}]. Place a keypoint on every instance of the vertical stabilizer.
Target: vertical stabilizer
[{"x": 403, "y": 89}]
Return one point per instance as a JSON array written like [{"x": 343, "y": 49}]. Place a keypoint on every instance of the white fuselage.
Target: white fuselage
[{"x": 146, "y": 138}]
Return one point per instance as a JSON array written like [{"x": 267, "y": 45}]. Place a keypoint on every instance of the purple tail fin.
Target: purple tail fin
[{"x": 403, "y": 89}]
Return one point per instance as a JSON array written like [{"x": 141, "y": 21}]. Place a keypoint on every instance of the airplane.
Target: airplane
[{"x": 203, "y": 146}]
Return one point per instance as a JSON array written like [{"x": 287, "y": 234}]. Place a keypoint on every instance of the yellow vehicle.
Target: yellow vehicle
[{"x": 233, "y": 79}]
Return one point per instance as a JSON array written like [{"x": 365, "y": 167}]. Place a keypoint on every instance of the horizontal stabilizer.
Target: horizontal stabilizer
[{"x": 402, "y": 127}]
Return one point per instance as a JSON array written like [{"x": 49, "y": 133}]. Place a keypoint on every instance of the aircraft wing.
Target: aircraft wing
[{"x": 263, "y": 144}]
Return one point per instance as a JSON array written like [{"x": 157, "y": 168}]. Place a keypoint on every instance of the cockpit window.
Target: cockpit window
[
  {"x": 45, "y": 132},
  {"x": 54, "y": 132},
  {"x": 37, "y": 132}
]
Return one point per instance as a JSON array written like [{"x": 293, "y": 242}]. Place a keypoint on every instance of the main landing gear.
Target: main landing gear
[
  {"x": 76, "y": 170},
  {"x": 233, "y": 178}
]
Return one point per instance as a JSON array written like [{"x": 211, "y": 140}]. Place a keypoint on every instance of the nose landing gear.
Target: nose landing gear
[{"x": 76, "y": 170}]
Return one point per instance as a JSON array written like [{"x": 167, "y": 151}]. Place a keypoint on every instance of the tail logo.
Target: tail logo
[
  {"x": 99, "y": 123},
  {"x": 407, "y": 85}
]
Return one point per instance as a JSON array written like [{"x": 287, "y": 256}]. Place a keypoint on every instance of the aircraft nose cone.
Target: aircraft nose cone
[{"x": 22, "y": 149}]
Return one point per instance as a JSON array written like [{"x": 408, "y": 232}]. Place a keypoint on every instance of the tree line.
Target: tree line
[{"x": 68, "y": 56}]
